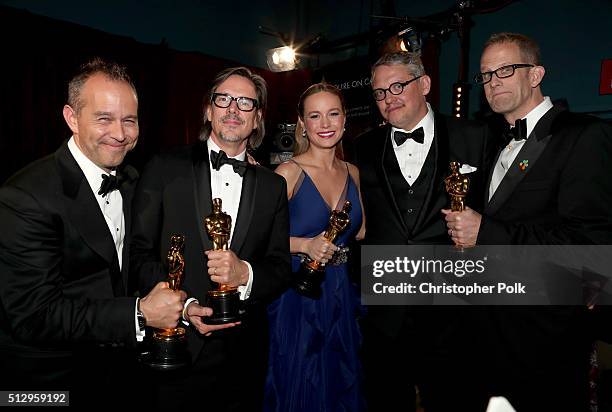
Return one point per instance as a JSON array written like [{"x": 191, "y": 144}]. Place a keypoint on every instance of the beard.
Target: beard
[{"x": 232, "y": 136}]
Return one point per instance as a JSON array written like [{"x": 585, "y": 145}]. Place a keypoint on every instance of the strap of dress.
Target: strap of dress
[
  {"x": 300, "y": 180},
  {"x": 345, "y": 191}
]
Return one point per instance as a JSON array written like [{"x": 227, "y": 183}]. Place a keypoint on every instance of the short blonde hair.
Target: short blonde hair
[{"x": 530, "y": 51}]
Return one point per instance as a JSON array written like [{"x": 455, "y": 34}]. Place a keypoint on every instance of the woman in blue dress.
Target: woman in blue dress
[{"x": 314, "y": 343}]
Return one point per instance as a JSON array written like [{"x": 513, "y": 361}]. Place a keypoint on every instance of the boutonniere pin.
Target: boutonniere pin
[{"x": 523, "y": 165}]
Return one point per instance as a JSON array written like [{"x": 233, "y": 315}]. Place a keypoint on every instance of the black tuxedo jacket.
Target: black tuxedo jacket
[
  {"x": 174, "y": 197},
  {"x": 563, "y": 196},
  {"x": 61, "y": 290},
  {"x": 454, "y": 140}
]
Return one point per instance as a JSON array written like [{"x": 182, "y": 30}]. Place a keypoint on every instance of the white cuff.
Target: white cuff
[
  {"x": 184, "y": 317},
  {"x": 140, "y": 333},
  {"x": 245, "y": 290}
]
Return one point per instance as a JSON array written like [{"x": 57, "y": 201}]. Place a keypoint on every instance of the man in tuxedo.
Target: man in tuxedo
[
  {"x": 403, "y": 165},
  {"x": 66, "y": 320},
  {"x": 550, "y": 185},
  {"x": 175, "y": 196}
]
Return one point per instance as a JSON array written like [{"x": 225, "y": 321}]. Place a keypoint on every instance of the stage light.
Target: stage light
[
  {"x": 410, "y": 40},
  {"x": 281, "y": 59}
]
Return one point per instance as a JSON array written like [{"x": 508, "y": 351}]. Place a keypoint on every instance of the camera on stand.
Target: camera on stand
[{"x": 283, "y": 144}]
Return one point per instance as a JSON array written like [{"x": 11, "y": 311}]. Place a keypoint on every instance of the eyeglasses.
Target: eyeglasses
[
  {"x": 244, "y": 104},
  {"x": 501, "y": 73},
  {"x": 395, "y": 88}
]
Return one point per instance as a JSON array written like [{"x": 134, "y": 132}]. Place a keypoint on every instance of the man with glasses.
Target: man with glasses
[
  {"x": 403, "y": 165},
  {"x": 550, "y": 185},
  {"x": 175, "y": 196}
]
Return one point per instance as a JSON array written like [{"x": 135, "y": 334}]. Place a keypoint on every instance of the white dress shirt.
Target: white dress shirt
[
  {"x": 111, "y": 206},
  {"x": 226, "y": 185},
  {"x": 509, "y": 153},
  {"x": 411, "y": 155}
]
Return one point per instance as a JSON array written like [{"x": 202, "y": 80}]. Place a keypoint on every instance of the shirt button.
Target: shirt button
[
  {"x": 410, "y": 210},
  {"x": 227, "y": 184},
  {"x": 409, "y": 177},
  {"x": 409, "y": 154},
  {"x": 411, "y": 191}
]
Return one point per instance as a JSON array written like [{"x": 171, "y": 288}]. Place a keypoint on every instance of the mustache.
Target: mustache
[{"x": 232, "y": 116}]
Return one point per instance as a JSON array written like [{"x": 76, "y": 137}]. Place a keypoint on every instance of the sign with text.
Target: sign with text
[{"x": 352, "y": 77}]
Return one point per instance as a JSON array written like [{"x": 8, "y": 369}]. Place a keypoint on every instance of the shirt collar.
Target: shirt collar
[
  {"x": 427, "y": 123},
  {"x": 93, "y": 173},
  {"x": 213, "y": 146},
  {"x": 534, "y": 116}
]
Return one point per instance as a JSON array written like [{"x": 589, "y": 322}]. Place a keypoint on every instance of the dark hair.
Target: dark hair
[
  {"x": 301, "y": 141},
  {"x": 110, "y": 69},
  {"x": 262, "y": 99},
  {"x": 530, "y": 51}
]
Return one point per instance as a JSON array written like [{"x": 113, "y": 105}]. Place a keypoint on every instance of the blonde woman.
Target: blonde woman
[{"x": 314, "y": 363}]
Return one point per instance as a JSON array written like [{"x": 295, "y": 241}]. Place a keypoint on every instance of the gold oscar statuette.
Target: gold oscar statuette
[
  {"x": 168, "y": 347},
  {"x": 457, "y": 186},
  {"x": 311, "y": 273},
  {"x": 224, "y": 300}
]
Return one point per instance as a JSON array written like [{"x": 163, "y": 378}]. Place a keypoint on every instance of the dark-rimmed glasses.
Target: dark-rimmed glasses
[
  {"x": 501, "y": 73},
  {"x": 395, "y": 88},
  {"x": 244, "y": 104}
]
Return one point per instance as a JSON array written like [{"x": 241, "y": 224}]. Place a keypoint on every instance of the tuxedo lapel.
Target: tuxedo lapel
[
  {"x": 387, "y": 160},
  {"x": 203, "y": 194},
  {"x": 84, "y": 212},
  {"x": 490, "y": 176},
  {"x": 127, "y": 192},
  {"x": 440, "y": 152},
  {"x": 246, "y": 208},
  {"x": 525, "y": 160}
]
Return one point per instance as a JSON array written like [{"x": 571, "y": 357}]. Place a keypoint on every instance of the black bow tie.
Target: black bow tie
[
  {"x": 219, "y": 159},
  {"x": 418, "y": 135},
  {"x": 518, "y": 132},
  {"x": 110, "y": 183}
]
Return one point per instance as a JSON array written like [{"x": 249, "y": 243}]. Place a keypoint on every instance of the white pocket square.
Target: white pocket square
[
  {"x": 465, "y": 169},
  {"x": 499, "y": 404}
]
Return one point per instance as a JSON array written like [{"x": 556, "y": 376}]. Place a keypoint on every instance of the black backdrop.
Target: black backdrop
[{"x": 40, "y": 55}]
